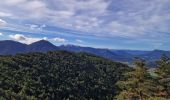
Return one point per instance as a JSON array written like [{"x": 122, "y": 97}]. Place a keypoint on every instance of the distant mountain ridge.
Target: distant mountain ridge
[
  {"x": 41, "y": 46},
  {"x": 9, "y": 47}
]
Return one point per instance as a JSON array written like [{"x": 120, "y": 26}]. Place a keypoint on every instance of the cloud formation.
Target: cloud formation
[
  {"x": 141, "y": 19},
  {"x": 1, "y": 34},
  {"x": 57, "y": 39},
  {"x": 23, "y": 39},
  {"x": 79, "y": 41},
  {"x": 99, "y": 17},
  {"x": 2, "y": 23},
  {"x": 28, "y": 40}
]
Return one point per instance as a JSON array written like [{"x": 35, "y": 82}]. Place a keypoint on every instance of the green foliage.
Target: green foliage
[
  {"x": 8, "y": 95},
  {"x": 157, "y": 98},
  {"x": 138, "y": 84},
  {"x": 164, "y": 65},
  {"x": 164, "y": 73},
  {"x": 58, "y": 76},
  {"x": 80, "y": 76}
]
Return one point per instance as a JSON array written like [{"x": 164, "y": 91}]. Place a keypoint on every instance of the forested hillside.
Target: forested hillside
[
  {"x": 80, "y": 76},
  {"x": 59, "y": 75}
]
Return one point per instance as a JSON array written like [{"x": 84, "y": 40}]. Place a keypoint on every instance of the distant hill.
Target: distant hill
[
  {"x": 132, "y": 52},
  {"x": 107, "y": 53},
  {"x": 155, "y": 54},
  {"x": 59, "y": 76},
  {"x": 41, "y": 46},
  {"x": 126, "y": 56},
  {"x": 8, "y": 47}
]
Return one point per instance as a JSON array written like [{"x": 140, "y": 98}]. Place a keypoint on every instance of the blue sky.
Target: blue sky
[{"x": 114, "y": 24}]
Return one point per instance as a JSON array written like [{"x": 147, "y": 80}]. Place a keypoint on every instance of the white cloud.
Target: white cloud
[
  {"x": 1, "y": 34},
  {"x": 57, "y": 39},
  {"x": 13, "y": 2},
  {"x": 58, "y": 12},
  {"x": 125, "y": 18},
  {"x": 2, "y": 22},
  {"x": 79, "y": 41},
  {"x": 24, "y": 39},
  {"x": 32, "y": 27},
  {"x": 18, "y": 37},
  {"x": 36, "y": 27},
  {"x": 137, "y": 18},
  {"x": 45, "y": 38},
  {"x": 3, "y": 14},
  {"x": 28, "y": 40}
]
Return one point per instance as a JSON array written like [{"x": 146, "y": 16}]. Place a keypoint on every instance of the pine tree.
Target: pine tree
[
  {"x": 163, "y": 65},
  {"x": 138, "y": 84},
  {"x": 164, "y": 73}
]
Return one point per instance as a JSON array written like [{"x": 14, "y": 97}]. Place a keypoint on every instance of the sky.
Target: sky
[{"x": 113, "y": 24}]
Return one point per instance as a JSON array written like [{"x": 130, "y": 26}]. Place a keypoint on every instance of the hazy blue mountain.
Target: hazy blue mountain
[
  {"x": 41, "y": 46},
  {"x": 154, "y": 55},
  {"x": 136, "y": 52},
  {"x": 127, "y": 56},
  {"x": 107, "y": 53},
  {"x": 11, "y": 47}
]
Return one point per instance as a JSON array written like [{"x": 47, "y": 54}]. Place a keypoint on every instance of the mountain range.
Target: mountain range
[{"x": 9, "y": 47}]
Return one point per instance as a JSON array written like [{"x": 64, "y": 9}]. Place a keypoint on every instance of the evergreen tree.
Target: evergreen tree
[
  {"x": 164, "y": 73},
  {"x": 163, "y": 65},
  {"x": 138, "y": 84}
]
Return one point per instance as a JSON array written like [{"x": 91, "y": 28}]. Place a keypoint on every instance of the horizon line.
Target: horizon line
[{"x": 82, "y": 46}]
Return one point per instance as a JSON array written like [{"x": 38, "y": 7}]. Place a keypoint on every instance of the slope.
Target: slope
[{"x": 59, "y": 75}]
